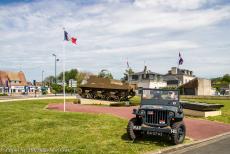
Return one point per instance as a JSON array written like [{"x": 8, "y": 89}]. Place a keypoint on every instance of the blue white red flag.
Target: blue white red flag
[
  {"x": 180, "y": 59},
  {"x": 67, "y": 37}
]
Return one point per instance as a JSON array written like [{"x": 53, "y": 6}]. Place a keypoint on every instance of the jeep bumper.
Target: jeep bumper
[{"x": 166, "y": 130}]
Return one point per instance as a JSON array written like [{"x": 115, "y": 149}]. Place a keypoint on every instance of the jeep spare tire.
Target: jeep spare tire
[
  {"x": 179, "y": 136},
  {"x": 133, "y": 134}
]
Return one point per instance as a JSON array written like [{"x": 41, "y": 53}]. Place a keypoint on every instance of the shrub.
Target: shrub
[
  {"x": 77, "y": 101},
  {"x": 44, "y": 92},
  {"x": 3, "y": 95},
  {"x": 134, "y": 101}
]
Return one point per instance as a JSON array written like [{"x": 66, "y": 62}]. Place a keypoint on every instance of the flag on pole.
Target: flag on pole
[
  {"x": 180, "y": 59},
  {"x": 127, "y": 63},
  {"x": 67, "y": 37}
]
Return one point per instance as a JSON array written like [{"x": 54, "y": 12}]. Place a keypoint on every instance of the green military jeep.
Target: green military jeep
[{"x": 160, "y": 113}]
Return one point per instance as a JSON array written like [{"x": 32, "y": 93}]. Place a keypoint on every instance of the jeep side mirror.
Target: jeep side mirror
[{"x": 134, "y": 111}]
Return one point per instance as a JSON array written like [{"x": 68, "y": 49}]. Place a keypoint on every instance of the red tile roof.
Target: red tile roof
[{"x": 12, "y": 76}]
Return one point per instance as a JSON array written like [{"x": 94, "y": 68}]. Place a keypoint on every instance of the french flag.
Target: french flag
[{"x": 67, "y": 37}]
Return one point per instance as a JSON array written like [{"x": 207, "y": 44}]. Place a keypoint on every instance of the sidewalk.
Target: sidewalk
[{"x": 197, "y": 129}]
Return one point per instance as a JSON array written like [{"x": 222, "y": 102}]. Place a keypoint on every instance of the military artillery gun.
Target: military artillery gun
[{"x": 106, "y": 89}]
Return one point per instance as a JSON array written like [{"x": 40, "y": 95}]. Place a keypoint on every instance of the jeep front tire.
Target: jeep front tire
[
  {"x": 179, "y": 136},
  {"x": 133, "y": 134}
]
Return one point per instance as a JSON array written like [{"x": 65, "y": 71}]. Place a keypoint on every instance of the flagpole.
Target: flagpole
[
  {"x": 63, "y": 50},
  {"x": 178, "y": 63}
]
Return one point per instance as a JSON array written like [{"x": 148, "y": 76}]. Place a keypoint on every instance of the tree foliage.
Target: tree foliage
[
  {"x": 50, "y": 79},
  {"x": 221, "y": 81},
  {"x": 226, "y": 78},
  {"x": 72, "y": 74},
  {"x": 127, "y": 73},
  {"x": 105, "y": 74}
]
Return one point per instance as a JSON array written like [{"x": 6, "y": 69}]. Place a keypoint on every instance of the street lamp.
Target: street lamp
[
  {"x": 42, "y": 77},
  {"x": 55, "y": 69}
]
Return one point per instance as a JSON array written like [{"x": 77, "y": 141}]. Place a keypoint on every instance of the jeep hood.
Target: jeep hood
[{"x": 159, "y": 107}]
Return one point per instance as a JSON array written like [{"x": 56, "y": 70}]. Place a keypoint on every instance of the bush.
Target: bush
[
  {"x": 3, "y": 95},
  {"x": 56, "y": 88},
  {"x": 77, "y": 101},
  {"x": 134, "y": 101},
  {"x": 44, "y": 92}
]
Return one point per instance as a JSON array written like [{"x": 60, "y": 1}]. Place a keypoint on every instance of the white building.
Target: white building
[
  {"x": 176, "y": 77},
  {"x": 147, "y": 79}
]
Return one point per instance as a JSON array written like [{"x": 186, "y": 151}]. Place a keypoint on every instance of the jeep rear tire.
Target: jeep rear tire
[
  {"x": 179, "y": 136},
  {"x": 133, "y": 134}
]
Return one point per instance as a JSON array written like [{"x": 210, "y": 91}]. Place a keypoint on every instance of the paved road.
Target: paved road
[{"x": 218, "y": 146}]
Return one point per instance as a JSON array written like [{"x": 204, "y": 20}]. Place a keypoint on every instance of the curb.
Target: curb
[
  {"x": 36, "y": 98},
  {"x": 196, "y": 144}
]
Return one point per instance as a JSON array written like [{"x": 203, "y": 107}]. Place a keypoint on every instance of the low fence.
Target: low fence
[{"x": 204, "y": 97}]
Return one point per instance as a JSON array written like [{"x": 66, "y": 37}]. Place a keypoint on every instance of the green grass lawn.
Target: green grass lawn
[
  {"x": 26, "y": 125},
  {"x": 225, "y": 117}
]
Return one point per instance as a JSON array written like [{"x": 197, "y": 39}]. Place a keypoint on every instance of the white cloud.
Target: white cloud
[
  {"x": 173, "y": 4},
  {"x": 109, "y": 31}
]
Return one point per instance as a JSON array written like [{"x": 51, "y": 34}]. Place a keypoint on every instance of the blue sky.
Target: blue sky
[{"x": 110, "y": 31}]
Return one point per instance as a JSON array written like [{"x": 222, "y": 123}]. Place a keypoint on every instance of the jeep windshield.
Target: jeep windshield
[{"x": 159, "y": 97}]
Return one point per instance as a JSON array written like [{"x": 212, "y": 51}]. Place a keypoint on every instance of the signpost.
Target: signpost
[{"x": 72, "y": 84}]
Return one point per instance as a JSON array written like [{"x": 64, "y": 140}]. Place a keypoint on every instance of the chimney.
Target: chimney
[
  {"x": 145, "y": 71},
  {"x": 174, "y": 70}
]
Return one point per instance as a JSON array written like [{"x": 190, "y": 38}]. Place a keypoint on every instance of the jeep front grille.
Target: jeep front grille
[{"x": 153, "y": 117}]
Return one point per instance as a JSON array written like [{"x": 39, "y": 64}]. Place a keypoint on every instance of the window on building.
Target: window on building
[
  {"x": 158, "y": 77},
  {"x": 151, "y": 76},
  {"x": 145, "y": 76},
  {"x": 139, "y": 90},
  {"x": 134, "y": 77}
]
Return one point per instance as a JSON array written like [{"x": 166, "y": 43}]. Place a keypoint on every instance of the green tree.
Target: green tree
[
  {"x": 56, "y": 88},
  {"x": 49, "y": 80},
  {"x": 220, "y": 81},
  {"x": 68, "y": 75},
  {"x": 105, "y": 74},
  {"x": 127, "y": 73},
  {"x": 226, "y": 78}
]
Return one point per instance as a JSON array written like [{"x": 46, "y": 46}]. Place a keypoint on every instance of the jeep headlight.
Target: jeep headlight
[
  {"x": 142, "y": 112},
  {"x": 171, "y": 114}
]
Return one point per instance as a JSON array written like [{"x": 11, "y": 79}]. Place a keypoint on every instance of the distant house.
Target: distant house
[
  {"x": 147, "y": 79},
  {"x": 176, "y": 77},
  {"x": 12, "y": 82}
]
